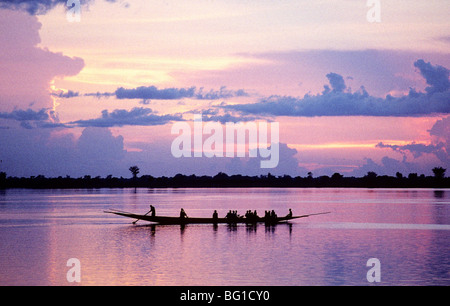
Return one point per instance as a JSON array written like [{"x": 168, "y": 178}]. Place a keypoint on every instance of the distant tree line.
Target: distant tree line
[{"x": 370, "y": 180}]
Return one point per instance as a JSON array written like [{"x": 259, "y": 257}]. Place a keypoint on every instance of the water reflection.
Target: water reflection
[
  {"x": 232, "y": 227},
  {"x": 439, "y": 194},
  {"x": 250, "y": 228},
  {"x": 270, "y": 229},
  {"x": 407, "y": 230}
]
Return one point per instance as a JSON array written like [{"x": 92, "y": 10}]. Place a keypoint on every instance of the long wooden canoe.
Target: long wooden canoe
[{"x": 178, "y": 220}]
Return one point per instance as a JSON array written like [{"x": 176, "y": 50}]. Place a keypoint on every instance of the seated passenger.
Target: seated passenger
[
  {"x": 273, "y": 215},
  {"x": 289, "y": 215},
  {"x": 183, "y": 214},
  {"x": 229, "y": 214}
]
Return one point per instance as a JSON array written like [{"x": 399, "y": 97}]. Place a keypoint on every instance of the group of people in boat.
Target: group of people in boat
[
  {"x": 252, "y": 216},
  {"x": 233, "y": 216}
]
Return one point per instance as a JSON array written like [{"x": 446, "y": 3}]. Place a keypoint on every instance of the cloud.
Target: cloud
[
  {"x": 340, "y": 101},
  {"x": 97, "y": 94},
  {"x": 439, "y": 148},
  {"x": 227, "y": 118},
  {"x": 26, "y": 115},
  {"x": 138, "y": 116},
  {"x": 26, "y": 70},
  {"x": 216, "y": 114},
  {"x": 417, "y": 149},
  {"x": 436, "y": 76},
  {"x": 146, "y": 93},
  {"x": 98, "y": 151},
  {"x": 390, "y": 166},
  {"x": 43, "y": 152},
  {"x": 441, "y": 129},
  {"x": 336, "y": 81},
  {"x": 151, "y": 92},
  {"x": 37, "y": 7},
  {"x": 65, "y": 94},
  {"x": 445, "y": 39},
  {"x": 30, "y": 118},
  {"x": 380, "y": 71},
  {"x": 288, "y": 164},
  {"x": 33, "y": 7},
  {"x": 223, "y": 93},
  {"x": 121, "y": 117},
  {"x": 154, "y": 158}
]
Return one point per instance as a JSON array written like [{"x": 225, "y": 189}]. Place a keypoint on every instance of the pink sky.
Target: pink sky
[{"x": 249, "y": 60}]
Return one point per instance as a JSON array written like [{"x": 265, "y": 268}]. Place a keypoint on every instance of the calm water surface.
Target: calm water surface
[{"x": 407, "y": 230}]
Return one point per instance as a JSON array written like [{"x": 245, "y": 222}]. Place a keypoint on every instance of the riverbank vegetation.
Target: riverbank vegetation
[{"x": 370, "y": 180}]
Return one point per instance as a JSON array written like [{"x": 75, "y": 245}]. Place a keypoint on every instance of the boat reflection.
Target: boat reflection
[{"x": 250, "y": 228}]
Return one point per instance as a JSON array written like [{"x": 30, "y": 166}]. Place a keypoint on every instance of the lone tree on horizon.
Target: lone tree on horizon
[
  {"x": 439, "y": 172},
  {"x": 134, "y": 170}
]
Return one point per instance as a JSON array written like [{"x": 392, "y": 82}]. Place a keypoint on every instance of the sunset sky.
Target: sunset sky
[{"x": 97, "y": 96}]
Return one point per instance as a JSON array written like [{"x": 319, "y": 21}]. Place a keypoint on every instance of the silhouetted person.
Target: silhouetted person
[
  {"x": 215, "y": 215},
  {"x": 251, "y": 216},
  {"x": 152, "y": 210},
  {"x": 273, "y": 215},
  {"x": 228, "y": 216},
  {"x": 248, "y": 214},
  {"x": 183, "y": 214},
  {"x": 232, "y": 216},
  {"x": 289, "y": 215}
]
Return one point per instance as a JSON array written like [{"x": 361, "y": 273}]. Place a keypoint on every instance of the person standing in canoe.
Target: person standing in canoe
[
  {"x": 152, "y": 210},
  {"x": 183, "y": 214}
]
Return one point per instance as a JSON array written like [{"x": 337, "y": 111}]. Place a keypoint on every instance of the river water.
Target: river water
[{"x": 406, "y": 230}]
